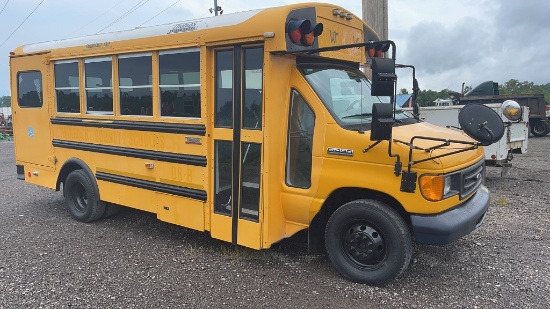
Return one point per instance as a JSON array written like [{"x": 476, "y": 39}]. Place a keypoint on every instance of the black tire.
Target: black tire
[
  {"x": 82, "y": 197},
  {"x": 368, "y": 242},
  {"x": 540, "y": 128}
]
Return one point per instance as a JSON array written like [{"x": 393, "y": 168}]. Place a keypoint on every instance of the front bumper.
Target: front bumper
[{"x": 442, "y": 229}]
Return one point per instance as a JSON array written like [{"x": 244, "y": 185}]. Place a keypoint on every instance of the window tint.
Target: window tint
[
  {"x": 29, "y": 89},
  {"x": 300, "y": 142},
  {"x": 67, "y": 90},
  {"x": 180, "y": 84},
  {"x": 99, "y": 86},
  {"x": 135, "y": 85}
]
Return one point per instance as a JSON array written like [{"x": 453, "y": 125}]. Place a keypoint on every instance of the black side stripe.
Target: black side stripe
[
  {"x": 135, "y": 153},
  {"x": 153, "y": 186},
  {"x": 193, "y": 129}
]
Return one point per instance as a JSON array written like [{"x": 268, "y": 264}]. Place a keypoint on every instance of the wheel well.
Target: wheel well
[
  {"x": 69, "y": 166},
  {"x": 316, "y": 231}
]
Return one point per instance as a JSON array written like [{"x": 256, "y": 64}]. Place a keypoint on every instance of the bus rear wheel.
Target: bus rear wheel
[
  {"x": 82, "y": 197},
  {"x": 368, "y": 242}
]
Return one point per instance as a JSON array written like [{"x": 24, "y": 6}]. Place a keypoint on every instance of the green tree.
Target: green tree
[
  {"x": 514, "y": 86},
  {"x": 5, "y": 101},
  {"x": 427, "y": 97}
]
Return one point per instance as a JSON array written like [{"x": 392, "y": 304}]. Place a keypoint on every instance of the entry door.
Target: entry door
[
  {"x": 238, "y": 145},
  {"x": 30, "y": 113}
]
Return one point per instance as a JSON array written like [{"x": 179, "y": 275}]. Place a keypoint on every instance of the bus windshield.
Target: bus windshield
[{"x": 345, "y": 91}]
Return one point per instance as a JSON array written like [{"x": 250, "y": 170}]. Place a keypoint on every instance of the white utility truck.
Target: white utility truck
[{"x": 500, "y": 153}]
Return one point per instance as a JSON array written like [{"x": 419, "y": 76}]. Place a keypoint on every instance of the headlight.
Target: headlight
[
  {"x": 447, "y": 186},
  {"x": 437, "y": 187},
  {"x": 511, "y": 110}
]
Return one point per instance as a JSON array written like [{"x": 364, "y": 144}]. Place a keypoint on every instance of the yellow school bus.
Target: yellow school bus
[{"x": 250, "y": 126}]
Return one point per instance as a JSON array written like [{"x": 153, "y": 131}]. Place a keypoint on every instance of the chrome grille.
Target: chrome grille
[{"x": 472, "y": 178}]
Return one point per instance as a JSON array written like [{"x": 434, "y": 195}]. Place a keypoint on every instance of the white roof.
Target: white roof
[{"x": 177, "y": 27}]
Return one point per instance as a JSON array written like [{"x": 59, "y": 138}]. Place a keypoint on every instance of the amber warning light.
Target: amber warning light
[{"x": 302, "y": 32}]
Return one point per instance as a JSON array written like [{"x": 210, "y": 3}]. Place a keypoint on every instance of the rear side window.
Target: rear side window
[
  {"x": 29, "y": 90},
  {"x": 67, "y": 88}
]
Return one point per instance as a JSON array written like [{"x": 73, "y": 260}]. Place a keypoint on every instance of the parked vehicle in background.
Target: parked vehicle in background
[
  {"x": 487, "y": 92},
  {"x": 499, "y": 154}
]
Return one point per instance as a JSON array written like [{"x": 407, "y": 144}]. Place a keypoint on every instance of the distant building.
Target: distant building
[
  {"x": 443, "y": 102},
  {"x": 404, "y": 100}
]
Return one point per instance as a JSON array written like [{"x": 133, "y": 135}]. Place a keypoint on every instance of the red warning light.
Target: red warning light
[
  {"x": 302, "y": 32},
  {"x": 378, "y": 50}
]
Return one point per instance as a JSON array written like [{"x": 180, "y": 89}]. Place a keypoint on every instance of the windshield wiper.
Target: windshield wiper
[{"x": 360, "y": 114}]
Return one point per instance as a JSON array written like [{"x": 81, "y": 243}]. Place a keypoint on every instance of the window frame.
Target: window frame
[
  {"x": 178, "y": 86},
  {"x": 294, "y": 91},
  {"x": 121, "y": 87},
  {"x": 77, "y": 61},
  {"x": 96, "y": 60},
  {"x": 41, "y": 96}
]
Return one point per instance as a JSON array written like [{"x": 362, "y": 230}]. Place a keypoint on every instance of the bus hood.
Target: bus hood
[{"x": 404, "y": 134}]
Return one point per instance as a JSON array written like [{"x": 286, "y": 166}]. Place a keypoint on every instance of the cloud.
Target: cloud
[{"x": 434, "y": 48}]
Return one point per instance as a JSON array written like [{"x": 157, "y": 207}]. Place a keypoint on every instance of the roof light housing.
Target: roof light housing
[{"x": 303, "y": 32}]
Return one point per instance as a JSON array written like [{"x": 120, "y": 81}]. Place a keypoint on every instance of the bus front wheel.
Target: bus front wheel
[
  {"x": 82, "y": 197},
  {"x": 368, "y": 242}
]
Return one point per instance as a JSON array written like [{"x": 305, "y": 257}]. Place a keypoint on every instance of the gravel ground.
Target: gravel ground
[{"x": 132, "y": 260}]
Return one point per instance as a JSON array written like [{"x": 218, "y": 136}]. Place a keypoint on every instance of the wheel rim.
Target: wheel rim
[
  {"x": 364, "y": 245},
  {"x": 79, "y": 197}
]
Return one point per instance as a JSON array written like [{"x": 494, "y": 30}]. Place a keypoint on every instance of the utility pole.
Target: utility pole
[
  {"x": 216, "y": 8},
  {"x": 375, "y": 13}
]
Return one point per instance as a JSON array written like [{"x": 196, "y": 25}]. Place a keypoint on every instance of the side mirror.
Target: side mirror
[
  {"x": 383, "y": 76},
  {"x": 382, "y": 122},
  {"x": 416, "y": 90},
  {"x": 416, "y": 110}
]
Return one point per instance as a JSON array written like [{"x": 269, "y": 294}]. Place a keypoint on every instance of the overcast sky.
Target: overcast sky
[{"x": 449, "y": 42}]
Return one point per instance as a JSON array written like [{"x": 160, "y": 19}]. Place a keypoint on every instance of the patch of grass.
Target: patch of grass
[
  {"x": 192, "y": 250},
  {"x": 502, "y": 201},
  {"x": 242, "y": 253}
]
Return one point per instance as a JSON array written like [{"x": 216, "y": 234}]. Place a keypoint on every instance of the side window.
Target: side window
[
  {"x": 67, "y": 90},
  {"x": 136, "y": 84},
  {"x": 301, "y": 122},
  {"x": 180, "y": 85},
  {"x": 99, "y": 85},
  {"x": 253, "y": 86},
  {"x": 223, "y": 115},
  {"x": 29, "y": 90}
]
